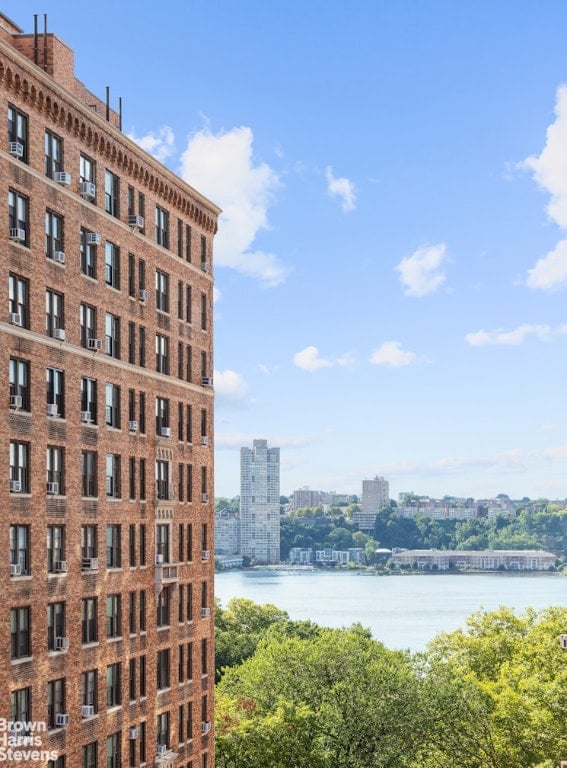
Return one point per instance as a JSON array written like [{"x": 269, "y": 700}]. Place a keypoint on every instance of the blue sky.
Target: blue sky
[{"x": 391, "y": 265}]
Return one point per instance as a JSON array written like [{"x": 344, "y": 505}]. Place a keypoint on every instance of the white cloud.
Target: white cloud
[
  {"x": 160, "y": 145},
  {"x": 223, "y": 168},
  {"x": 422, "y": 272},
  {"x": 342, "y": 188},
  {"x": 347, "y": 360},
  {"x": 230, "y": 389},
  {"x": 308, "y": 360},
  {"x": 549, "y": 170},
  {"x": 392, "y": 355},
  {"x": 515, "y": 337}
]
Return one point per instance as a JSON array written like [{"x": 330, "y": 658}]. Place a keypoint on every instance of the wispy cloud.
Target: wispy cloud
[
  {"x": 423, "y": 271},
  {"x": 160, "y": 144},
  {"x": 391, "y": 354},
  {"x": 514, "y": 337},
  {"x": 308, "y": 359},
  {"x": 230, "y": 389},
  {"x": 342, "y": 188},
  {"x": 223, "y": 167},
  {"x": 549, "y": 170}
]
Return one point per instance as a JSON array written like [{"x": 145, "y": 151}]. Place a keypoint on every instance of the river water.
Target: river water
[{"x": 402, "y": 611}]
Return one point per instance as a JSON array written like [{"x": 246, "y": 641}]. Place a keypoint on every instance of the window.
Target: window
[
  {"x": 113, "y": 758},
  {"x": 131, "y": 201},
  {"x": 203, "y": 252},
  {"x": 203, "y": 423},
  {"x": 112, "y": 335},
  {"x": 89, "y": 620},
  {"x": 56, "y": 627},
  {"x": 204, "y": 656},
  {"x": 54, "y": 315},
  {"x": 113, "y": 616},
  {"x": 88, "y": 253},
  {"x": 113, "y": 548},
  {"x": 18, "y": 132},
  {"x": 162, "y": 414},
  {"x": 88, "y": 324},
  {"x": 131, "y": 274},
  {"x": 55, "y": 548},
  {"x": 131, "y": 343},
  {"x": 189, "y": 482},
  {"x": 55, "y": 475},
  {"x": 142, "y": 479},
  {"x": 132, "y": 614},
  {"x": 87, "y": 170},
  {"x": 162, "y": 291},
  {"x": 163, "y": 491},
  {"x": 189, "y": 542},
  {"x": 189, "y": 611},
  {"x": 112, "y": 406},
  {"x": 132, "y": 679},
  {"x": 188, "y": 304},
  {"x": 55, "y": 391},
  {"x": 18, "y": 217},
  {"x": 142, "y": 209},
  {"x": 20, "y": 383},
  {"x": 53, "y": 154},
  {"x": 19, "y": 300},
  {"x": 162, "y": 669},
  {"x": 131, "y": 405},
  {"x": 189, "y": 363},
  {"x": 181, "y": 598},
  {"x": 53, "y": 234},
  {"x": 142, "y": 677},
  {"x": 111, "y": 194},
  {"x": 163, "y": 608},
  {"x": 112, "y": 265},
  {"x": 89, "y": 689},
  {"x": 204, "y": 485},
  {"x": 180, "y": 482},
  {"x": 20, "y": 549},
  {"x": 20, "y": 632},
  {"x": 180, "y": 238},
  {"x": 132, "y": 546},
  {"x": 203, "y": 312},
  {"x": 112, "y": 476},
  {"x": 180, "y": 294},
  {"x": 187, "y": 243},
  {"x": 204, "y": 366},
  {"x": 20, "y": 706},
  {"x": 142, "y": 544},
  {"x": 59, "y": 762},
  {"x": 132, "y": 482},
  {"x": 89, "y": 548},
  {"x": 189, "y": 423},
  {"x": 190, "y": 665},
  {"x": 162, "y": 227},
  {"x": 142, "y": 346},
  {"x": 19, "y": 466},
  {"x": 89, "y": 481},
  {"x": 142, "y": 606},
  {"x": 89, "y": 398},
  {"x": 113, "y": 697},
  {"x": 180, "y": 365},
  {"x": 204, "y": 537},
  {"x": 90, "y": 755},
  {"x": 162, "y": 353},
  {"x": 162, "y": 541},
  {"x": 162, "y": 729}
]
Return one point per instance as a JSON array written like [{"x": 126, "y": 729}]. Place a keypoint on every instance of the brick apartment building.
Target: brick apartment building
[{"x": 106, "y": 631}]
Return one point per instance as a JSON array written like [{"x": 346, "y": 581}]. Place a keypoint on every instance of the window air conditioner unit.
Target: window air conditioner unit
[
  {"x": 61, "y": 643},
  {"x": 15, "y": 401},
  {"x": 205, "y": 554},
  {"x": 165, "y": 432},
  {"x": 60, "y": 566},
  {"x": 206, "y": 381},
  {"x": 95, "y": 344},
  {"x": 16, "y": 148},
  {"x": 62, "y": 178},
  {"x": 204, "y": 497},
  {"x": 87, "y": 710},
  {"x": 52, "y": 409},
  {"x": 52, "y": 489},
  {"x": 59, "y": 333},
  {"x": 204, "y": 440},
  {"x": 135, "y": 221},
  {"x": 133, "y": 426},
  {"x": 143, "y": 294},
  {"x": 59, "y": 257},
  {"x": 15, "y": 486},
  {"x": 133, "y": 733},
  {"x": 93, "y": 238},
  {"x": 87, "y": 190},
  {"x": 161, "y": 749},
  {"x": 15, "y": 318},
  {"x": 86, "y": 417},
  {"x": 205, "y": 727},
  {"x": 18, "y": 234},
  {"x": 204, "y": 266},
  {"x": 61, "y": 720},
  {"x": 159, "y": 559},
  {"x": 90, "y": 564},
  {"x": 15, "y": 569},
  {"x": 205, "y": 613}
]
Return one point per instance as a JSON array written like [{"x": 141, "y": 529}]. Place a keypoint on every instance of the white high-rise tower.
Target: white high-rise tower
[{"x": 260, "y": 502}]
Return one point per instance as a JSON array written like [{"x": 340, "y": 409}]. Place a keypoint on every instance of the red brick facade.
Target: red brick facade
[{"x": 122, "y": 255}]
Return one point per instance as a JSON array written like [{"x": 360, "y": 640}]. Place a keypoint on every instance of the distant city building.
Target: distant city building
[
  {"x": 375, "y": 495},
  {"x": 260, "y": 502},
  {"x": 487, "y": 559},
  {"x": 299, "y": 556},
  {"x": 453, "y": 508},
  {"x": 305, "y": 497},
  {"x": 227, "y": 533}
]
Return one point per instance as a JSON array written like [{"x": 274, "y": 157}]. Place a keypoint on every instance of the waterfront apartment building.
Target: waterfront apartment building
[
  {"x": 375, "y": 495},
  {"x": 106, "y": 414},
  {"x": 260, "y": 503},
  {"x": 484, "y": 560}
]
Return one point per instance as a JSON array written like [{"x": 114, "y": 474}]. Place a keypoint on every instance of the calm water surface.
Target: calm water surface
[{"x": 401, "y": 611}]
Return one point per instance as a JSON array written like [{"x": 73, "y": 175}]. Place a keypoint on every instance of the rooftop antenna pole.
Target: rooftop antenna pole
[
  {"x": 35, "y": 40},
  {"x": 107, "y": 103},
  {"x": 45, "y": 42}
]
